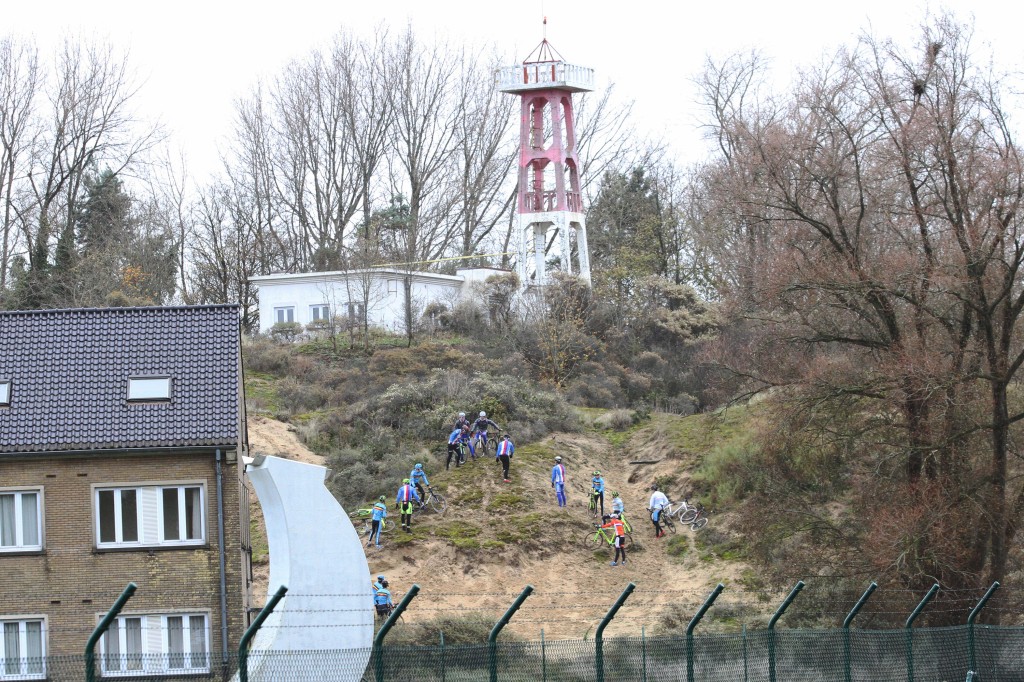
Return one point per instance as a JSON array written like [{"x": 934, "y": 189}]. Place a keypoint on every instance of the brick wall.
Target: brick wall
[{"x": 71, "y": 581}]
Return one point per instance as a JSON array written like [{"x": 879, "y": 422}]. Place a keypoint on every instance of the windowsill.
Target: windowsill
[
  {"x": 21, "y": 552},
  {"x": 163, "y": 674},
  {"x": 150, "y": 548}
]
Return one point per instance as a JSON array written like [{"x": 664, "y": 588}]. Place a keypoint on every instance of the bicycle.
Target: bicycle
[
  {"x": 625, "y": 523},
  {"x": 592, "y": 507},
  {"x": 366, "y": 515},
  {"x": 486, "y": 443},
  {"x": 677, "y": 509},
  {"x": 433, "y": 501},
  {"x": 699, "y": 519},
  {"x": 599, "y": 537},
  {"x": 665, "y": 519}
]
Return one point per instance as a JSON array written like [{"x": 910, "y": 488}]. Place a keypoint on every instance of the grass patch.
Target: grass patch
[
  {"x": 258, "y": 541},
  {"x": 461, "y": 535},
  {"x": 713, "y": 543},
  {"x": 521, "y": 529},
  {"x": 678, "y": 546},
  {"x": 506, "y": 502}
]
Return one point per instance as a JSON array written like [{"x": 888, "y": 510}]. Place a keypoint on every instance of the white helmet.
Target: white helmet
[
  {"x": 483, "y": 414},
  {"x": 462, "y": 414}
]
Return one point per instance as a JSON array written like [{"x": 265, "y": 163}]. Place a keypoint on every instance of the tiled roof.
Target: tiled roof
[{"x": 69, "y": 371}]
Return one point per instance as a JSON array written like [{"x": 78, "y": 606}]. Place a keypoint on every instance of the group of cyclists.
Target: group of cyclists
[
  {"x": 469, "y": 436},
  {"x": 410, "y": 496}
]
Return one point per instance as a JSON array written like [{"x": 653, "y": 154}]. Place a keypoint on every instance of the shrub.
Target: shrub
[{"x": 618, "y": 420}]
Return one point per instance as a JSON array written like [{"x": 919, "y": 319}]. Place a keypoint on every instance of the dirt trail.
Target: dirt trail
[{"x": 573, "y": 587}]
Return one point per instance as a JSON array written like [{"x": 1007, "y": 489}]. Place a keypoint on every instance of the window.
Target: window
[
  {"x": 356, "y": 312},
  {"x": 393, "y": 286},
  {"x": 22, "y": 649},
  {"x": 285, "y": 314},
  {"x": 319, "y": 312},
  {"x": 21, "y": 520},
  {"x": 150, "y": 515},
  {"x": 5, "y": 392},
  {"x": 149, "y": 389},
  {"x": 157, "y": 643}
]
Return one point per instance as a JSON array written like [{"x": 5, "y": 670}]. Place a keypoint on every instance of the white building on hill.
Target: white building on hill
[{"x": 378, "y": 293}]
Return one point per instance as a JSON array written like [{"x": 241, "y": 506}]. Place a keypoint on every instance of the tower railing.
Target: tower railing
[
  {"x": 539, "y": 202},
  {"x": 542, "y": 75}
]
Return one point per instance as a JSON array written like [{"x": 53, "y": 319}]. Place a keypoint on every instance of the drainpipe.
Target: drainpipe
[{"x": 221, "y": 559}]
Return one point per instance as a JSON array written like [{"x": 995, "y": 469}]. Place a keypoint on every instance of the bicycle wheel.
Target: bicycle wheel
[
  {"x": 687, "y": 515},
  {"x": 437, "y": 504},
  {"x": 628, "y": 540},
  {"x": 389, "y": 526},
  {"x": 594, "y": 540},
  {"x": 667, "y": 523},
  {"x": 699, "y": 523}
]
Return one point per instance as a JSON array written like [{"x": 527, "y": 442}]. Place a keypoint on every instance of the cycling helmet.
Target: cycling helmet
[
  {"x": 615, "y": 494},
  {"x": 597, "y": 473},
  {"x": 382, "y": 499},
  {"x": 381, "y": 578},
  {"x": 483, "y": 414},
  {"x": 418, "y": 465},
  {"x": 558, "y": 459},
  {"x": 405, "y": 480},
  {"x": 462, "y": 414},
  {"x": 654, "y": 486}
]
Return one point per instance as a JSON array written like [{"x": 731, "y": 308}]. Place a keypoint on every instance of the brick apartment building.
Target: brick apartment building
[{"x": 121, "y": 437}]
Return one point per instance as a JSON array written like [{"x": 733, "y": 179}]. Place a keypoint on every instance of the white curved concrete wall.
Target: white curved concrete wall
[{"x": 317, "y": 554}]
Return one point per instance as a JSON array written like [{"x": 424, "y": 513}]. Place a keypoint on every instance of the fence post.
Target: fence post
[
  {"x": 693, "y": 623},
  {"x": 643, "y": 654},
  {"x": 910, "y": 633},
  {"x": 94, "y": 638},
  {"x": 378, "y": 640},
  {"x": 492, "y": 639},
  {"x": 543, "y": 658},
  {"x": 771, "y": 626},
  {"x": 442, "y": 656},
  {"x": 846, "y": 628},
  {"x": 744, "y": 652},
  {"x": 243, "y": 645},
  {"x": 599, "y": 635},
  {"x": 970, "y": 625}
]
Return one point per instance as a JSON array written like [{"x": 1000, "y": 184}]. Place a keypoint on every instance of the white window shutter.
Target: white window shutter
[{"x": 151, "y": 514}]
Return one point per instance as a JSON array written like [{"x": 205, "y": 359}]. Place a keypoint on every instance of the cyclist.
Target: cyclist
[
  {"x": 503, "y": 454},
  {"x": 658, "y": 502},
  {"x": 403, "y": 502},
  {"x": 620, "y": 537},
  {"x": 480, "y": 429},
  {"x": 415, "y": 476},
  {"x": 456, "y": 439},
  {"x": 382, "y": 598},
  {"x": 558, "y": 481},
  {"x": 618, "y": 506},
  {"x": 597, "y": 489},
  {"x": 380, "y": 512},
  {"x": 462, "y": 421},
  {"x": 378, "y": 582}
]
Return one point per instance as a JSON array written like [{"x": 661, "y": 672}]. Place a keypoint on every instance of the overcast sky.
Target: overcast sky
[{"x": 196, "y": 57}]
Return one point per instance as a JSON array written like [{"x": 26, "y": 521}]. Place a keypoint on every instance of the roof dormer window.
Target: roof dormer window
[
  {"x": 150, "y": 389},
  {"x": 5, "y": 392}
]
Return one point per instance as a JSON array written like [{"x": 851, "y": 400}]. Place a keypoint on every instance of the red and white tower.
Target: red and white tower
[{"x": 550, "y": 206}]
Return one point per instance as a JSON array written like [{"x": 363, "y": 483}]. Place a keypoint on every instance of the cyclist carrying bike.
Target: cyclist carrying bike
[
  {"x": 404, "y": 501},
  {"x": 658, "y": 502},
  {"x": 618, "y": 506},
  {"x": 597, "y": 489},
  {"x": 380, "y": 512},
  {"x": 503, "y": 454},
  {"x": 416, "y": 476},
  {"x": 480, "y": 429},
  {"x": 558, "y": 481},
  {"x": 620, "y": 537}
]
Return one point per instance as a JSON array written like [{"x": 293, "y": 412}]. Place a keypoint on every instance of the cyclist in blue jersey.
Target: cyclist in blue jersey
[
  {"x": 382, "y": 600},
  {"x": 456, "y": 439},
  {"x": 378, "y": 582},
  {"x": 597, "y": 489},
  {"x": 558, "y": 481},
  {"x": 417, "y": 475},
  {"x": 504, "y": 455},
  {"x": 404, "y": 501},
  {"x": 618, "y": 506},
  {"x": 380, "y": 512},
  {"x": 480, "y": 430}
]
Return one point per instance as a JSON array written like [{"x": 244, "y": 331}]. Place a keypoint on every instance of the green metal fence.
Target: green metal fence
[{"x": 939, "y": 655}]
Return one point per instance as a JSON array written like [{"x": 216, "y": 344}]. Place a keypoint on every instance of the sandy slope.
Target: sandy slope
[{"x": 573, "y": 587}]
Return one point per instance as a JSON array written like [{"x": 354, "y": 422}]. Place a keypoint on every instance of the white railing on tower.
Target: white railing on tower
[{"x": 538, "y": 75}]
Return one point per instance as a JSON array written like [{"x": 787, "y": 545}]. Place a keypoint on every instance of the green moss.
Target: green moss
[
  {"x": 461, "y": 535},
  {"x": 518, "y": 529},
  {"x": 258, "y": 541},
  {"x": 505, "y": 502},
  {"x": 678, "y": 546}
]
